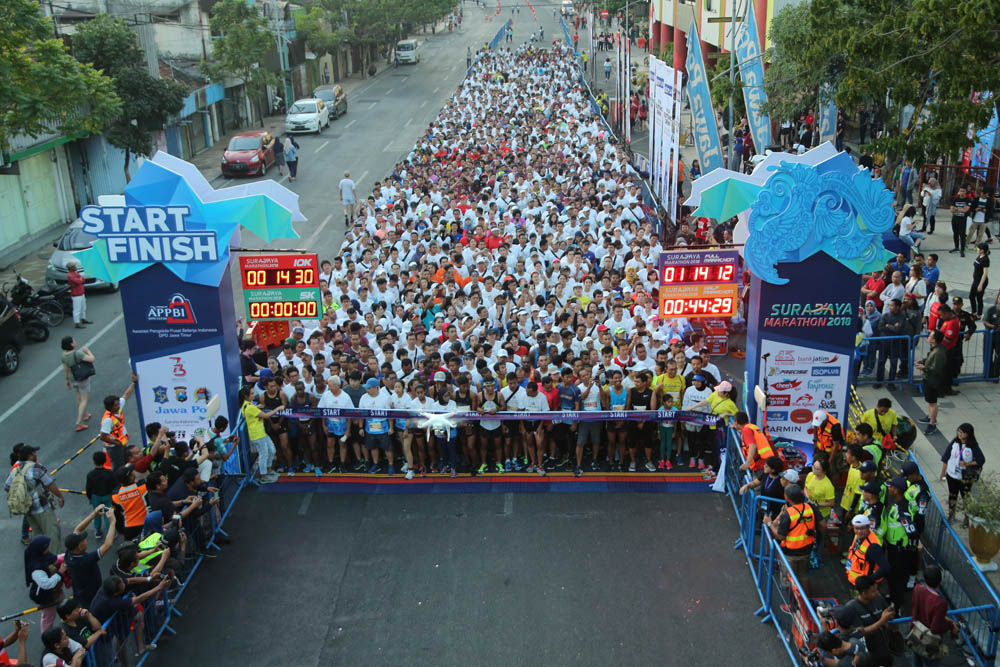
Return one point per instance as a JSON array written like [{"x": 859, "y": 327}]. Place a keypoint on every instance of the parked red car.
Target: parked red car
[{"x": 246, "y": 155}]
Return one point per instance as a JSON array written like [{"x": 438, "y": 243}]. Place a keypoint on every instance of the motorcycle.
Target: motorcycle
[
  {"x": 51, "y": 305},
  {"x": 33, "y": 322}
]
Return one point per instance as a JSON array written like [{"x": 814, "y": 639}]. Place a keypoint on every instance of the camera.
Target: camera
[
  {"x": 171, "y": 434},
  {"x": 813, "y": 658}
]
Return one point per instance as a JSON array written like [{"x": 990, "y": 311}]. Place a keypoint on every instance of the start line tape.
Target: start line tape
[{"x": 570, "y": 415}]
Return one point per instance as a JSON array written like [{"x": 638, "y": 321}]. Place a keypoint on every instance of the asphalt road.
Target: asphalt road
[{"x": 385, "y": 117}]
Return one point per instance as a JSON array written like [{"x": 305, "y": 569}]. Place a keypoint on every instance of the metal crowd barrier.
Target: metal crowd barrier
[
  {"x": 980, "y": 353},
  {"x": 970, "y": 596}
]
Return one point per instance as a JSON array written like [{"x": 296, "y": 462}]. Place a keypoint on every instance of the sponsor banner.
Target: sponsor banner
[
  {"x": 706, "y": 131},
  {"x": 806, "y": 379},
  {"x": 570, "y": 415},
  {"x": 748, "y": 56},
  {"x": 827, "y": 115},
  {"x": 179, "y": 387}
]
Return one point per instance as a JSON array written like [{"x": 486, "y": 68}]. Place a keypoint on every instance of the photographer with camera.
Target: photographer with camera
[
  {"x": 190, "y": 484},
  {"x": 19, "y": 636},
  {"x": 84, "y": 566},
  {"x": 870, "y": 613}
]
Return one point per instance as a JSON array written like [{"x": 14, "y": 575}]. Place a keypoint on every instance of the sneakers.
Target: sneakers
[
  {"x": 701, "y": 464},
  {"x": 507, "y": 466},
  {"x": 529, "y": 469},
  {"x": 924, "y": 420},
  {"x": 595, "y": 466},
  {"x": 409, "y": 474},
  {"x": 501, "y": 469},
  {"x": 540, "y": 470},
  {"x": 931, "y": 428},
  {"x": 550, "y": 465},
  {"x": 650, "y": 467},
  {"x": 405, "y": 468},
  {"x": 359, "y": 466},
  {"x": 662, "y": 465},
  {"x": 484, "y": 468},
  {"x": 578, "y": 472},
  {"x": 374, "y": 469},
  {"x": 892, "y": 386},
  {"x": 691, "y": 463},
  {"x": 453, "y": 473},
  {"x": 669, "y": 465},
  {"x": 631, "y": 467},
  {"x": 392, "y": 470},
  {"x": 517, "y": 465}
]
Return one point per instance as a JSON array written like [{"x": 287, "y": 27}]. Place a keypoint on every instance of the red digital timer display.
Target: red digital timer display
[
  {"x": 702, "y": 273},
  {"x": 282, "y": 310},
  {"x": 720, "y": 306},
  {"x": 280, "y": 286},
  {"x": 263, "y": 278}
]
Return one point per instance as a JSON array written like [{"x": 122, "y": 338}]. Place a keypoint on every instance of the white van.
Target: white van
[{"x": 407, "y": 52}]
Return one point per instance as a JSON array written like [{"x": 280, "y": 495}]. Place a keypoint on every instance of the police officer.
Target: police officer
[
  {"x": 917, "y": 496},
  {"x": 899, "y": 532},
  {"x": 866, "y": 556},
  {"x": 872, "y": 503}
]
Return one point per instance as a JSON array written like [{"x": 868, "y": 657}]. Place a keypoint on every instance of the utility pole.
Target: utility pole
[{"x": 734, "y": 20}]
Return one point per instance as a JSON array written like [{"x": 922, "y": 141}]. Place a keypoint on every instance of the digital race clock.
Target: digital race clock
[
  {"x": 280, "y": 286},
  {"x": 699, "y": 283}
]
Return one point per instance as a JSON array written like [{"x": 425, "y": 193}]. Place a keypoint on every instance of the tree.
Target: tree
[
  {"x": 147, "y": 102},
  {"x": 918, "y": 54},
  {"x": 41, "y": 83},
  {"x": 243, "y": 43},
  {"x": 720, "y": 87}
]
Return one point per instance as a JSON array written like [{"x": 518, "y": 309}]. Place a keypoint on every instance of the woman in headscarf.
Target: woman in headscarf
[{"x": 43, "y": 577}]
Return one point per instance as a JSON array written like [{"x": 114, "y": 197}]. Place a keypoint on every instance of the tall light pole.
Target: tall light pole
[{"x": 732, "y": 71}]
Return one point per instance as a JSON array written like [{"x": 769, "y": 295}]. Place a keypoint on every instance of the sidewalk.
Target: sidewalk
[{"x": 209, "y": 160}]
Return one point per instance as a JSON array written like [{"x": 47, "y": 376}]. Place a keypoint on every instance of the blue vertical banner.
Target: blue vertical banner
[
  {"x": 827, "y": 115},
  {"x": 748, "y": 56},
  {"x": 706, "y": 131}
]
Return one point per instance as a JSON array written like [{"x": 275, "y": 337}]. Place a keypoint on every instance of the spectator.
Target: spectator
[
  {"x": 40, "y": 488},
  {"x": 83, "y": 566},
  {"x": 991, "y": 320},
  {"x": 871, "y": 613},
  {"x": 768, "y": 481},
  {"x": 795, "y": 528},
  {"x": 43, "y": 576},
  {"x": 60, "y": 650},
  {"x": 935, "y": 369},
  {"x": 19, "y": 636},
  {"x": 961, "y": 464},
  {"x": 81, "y": 626},
  {"x": 110, "y": 599},
  {"x": 930, "y": 610},
  {"x": 99, "y": 487},
  {"x": 883, "y": 420},
  {"x": 72, "y": 358}
]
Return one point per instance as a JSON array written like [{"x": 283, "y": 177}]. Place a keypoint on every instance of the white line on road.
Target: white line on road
[
  {"x": 423, "y": 104},
  {"x": 454, "y": 67},
  {"x": 362, "y": 179},
  {"x": 408, "y": 122},
  {"x": 59, "y": 369},
  {"x": 434, "y": 92},
  {"x": 372, "y": 105},
  {"x": 388, "y": 91},
  {"x": 388, "y": 147},
  {"x": 321, "y": 146},
  {"x": 351, "y": 123},
  {"x": 318, "y": 230},
  {"x": 304, "y": 507}
]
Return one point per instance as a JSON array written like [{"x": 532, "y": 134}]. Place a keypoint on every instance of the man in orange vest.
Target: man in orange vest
[
  {"x": 828, "y": 435},
  {"x": 795, "y": 527},
  {"x": 866, "y": 556},
  {"x": 131, "y": 499},
  {"x": 113, "y": 431},
  {"x": 757, "y": 446}
]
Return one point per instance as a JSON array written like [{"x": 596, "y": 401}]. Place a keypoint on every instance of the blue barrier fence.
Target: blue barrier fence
[
  {"x": 878, "y": 355},
  {"x": 783, "y": 602}
]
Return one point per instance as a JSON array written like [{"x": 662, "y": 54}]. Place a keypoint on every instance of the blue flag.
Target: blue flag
[
  {"x": 706, "y": 132},
  {"x": 752, "y": 72}
]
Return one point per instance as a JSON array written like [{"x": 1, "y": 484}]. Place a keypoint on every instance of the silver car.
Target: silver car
[{"x": 73, "y": 240}]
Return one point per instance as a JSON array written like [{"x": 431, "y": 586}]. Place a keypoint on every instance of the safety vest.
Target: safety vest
[
  {"x": 764, "y": 448},
  {"x": 875, "y": 450},
  {"x": 117, "y": 432},
  {"x": 824, "y": 434},
  {"x": 132, "y": 500},
  {"x": 151, "y": 541},
  {"x": 802, "y": 527},
  {"x": 895, "y": 533},
  {"x": 857, "y": 558}
]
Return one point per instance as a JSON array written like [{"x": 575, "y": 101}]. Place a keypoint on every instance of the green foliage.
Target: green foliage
[
  {"x": 368, "y": 22},
  {"x": 667, "y": 54},
  {"x": 243, "y": 43},
  {"x": 984, "y": 501},
  {"x": 721, "y": 86},
  {"x": 928, "y": 54},
  {"x": 40, "y": 82},
  {"x": 147, "y": 102}
]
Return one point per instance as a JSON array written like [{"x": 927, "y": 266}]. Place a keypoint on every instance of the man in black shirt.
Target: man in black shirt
[
  {"x": 84, "y": 566},
  {"x": 871, "y": 614},
  {"x": 81, "y": 626},
  {"x": 156, "y": 499},
  {"x": 248, "y": 367},
  {"x": 175, "y": 465},
  {"x": 960, "y": 206}
]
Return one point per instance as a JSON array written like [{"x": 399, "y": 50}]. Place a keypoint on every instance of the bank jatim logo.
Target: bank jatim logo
[{"x": 177, "y": 311}]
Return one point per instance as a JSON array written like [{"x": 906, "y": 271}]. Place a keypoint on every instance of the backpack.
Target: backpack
[{"x": 19, "y": 495}]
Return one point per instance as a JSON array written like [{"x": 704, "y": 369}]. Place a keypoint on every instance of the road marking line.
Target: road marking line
[
  {"x": 388, "y": 147},
  {"x": 388, "y": 91},
  {"x": 360, "y": 180},
  {"x": 434, "y": 92},
  {"x": 423, "y": 104},
  {"x": 408, "y": 122},
  {"x": 351, "y": 123},
  {"x": 372, "y": 105},
  {"x": 318, "y": 230},
  {"x": 454, "y": 67},
  {"x": 304, "y": 507},
  {"x": 321, "y": 146},
  {"x": 59, "y": 369}
]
